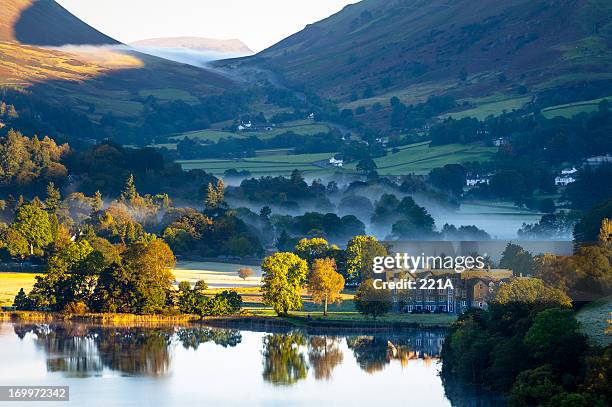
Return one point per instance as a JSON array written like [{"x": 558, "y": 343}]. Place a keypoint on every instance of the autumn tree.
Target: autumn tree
[
  {"x": 150, "y": 267},
  {"x": 372, "y": 301},
  {"x": 13, "y": 244},
  {"x": 283, "y": 277},
  {"x": 245, "y": 272},
  {"x": 531, "y": 291},
  {"x": 324, "y": 283}
]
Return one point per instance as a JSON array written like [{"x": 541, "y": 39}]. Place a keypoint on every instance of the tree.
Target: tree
[
  {"x": 215, "y": 197},
  {"x": 149, "y": 266},
  {"x": 283, "y": 277},
  {"x": 554, "y": 339},
  {"x": 53, "y": 199},
  {"x": 97, "y": 203},
  {"x": 129, "y": 192},
  {"x": 531, "y": 291},
  {"x": 22, "y": 302},
  {"x": 372, "y": 301},
  {"x": 366, "y": 166},
  {"x": 245, "y": 272},
  {"x": 324, "y": 283},
  {"x": 360, "y": 252},
  {"x": 33, "y": 224},
  {"x": 311, "y": 249},
  {"x": 518, "y": 260},
  {"x": 13, "y": 243}
]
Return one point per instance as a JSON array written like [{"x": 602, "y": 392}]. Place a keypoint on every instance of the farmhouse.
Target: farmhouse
[
  {"x": 472, "y": 181},
  {"x": 500, "y": 141},
  {"x": 336, "y": 162}
]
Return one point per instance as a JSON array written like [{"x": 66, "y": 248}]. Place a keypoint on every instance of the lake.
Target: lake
[{"x": 182, "y": 366}]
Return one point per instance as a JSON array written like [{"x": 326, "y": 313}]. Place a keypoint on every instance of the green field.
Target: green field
[
  {"x": 416, "y": 158},
  {"x": 263, "y": 165},
  {"x": 494, "y": 106},
  {"x": 169, "y": 94},
  {"x": 212, "y": 135},
  {"x": 420, "y": 158},
  {"x": 10, "y": 283},
  {"x": 572, "y": 109},
  {"x": 596, "y": 320}
]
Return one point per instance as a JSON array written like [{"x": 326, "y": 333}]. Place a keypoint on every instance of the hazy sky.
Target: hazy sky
[{"x": 259, "y": 23}]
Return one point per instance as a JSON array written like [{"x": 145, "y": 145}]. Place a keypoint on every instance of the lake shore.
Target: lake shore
[{"x": 252, "y": 322}]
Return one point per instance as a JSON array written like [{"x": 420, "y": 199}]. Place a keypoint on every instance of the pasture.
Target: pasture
[{"x": 11, "y": 283}]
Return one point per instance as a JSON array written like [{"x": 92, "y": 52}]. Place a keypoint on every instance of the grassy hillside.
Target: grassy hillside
[
  {"x": 86, "y": 69},
  {"x": 45, "y": 22},
  {"x": 463, "y": 47}
]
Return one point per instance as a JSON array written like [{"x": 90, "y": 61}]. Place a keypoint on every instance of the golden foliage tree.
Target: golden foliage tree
[{"x": 325, "y": 284}]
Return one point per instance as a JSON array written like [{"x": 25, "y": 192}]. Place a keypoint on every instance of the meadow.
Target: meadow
[
  {"x": 572, "y": 109},
  {"x": 11, "y": 283},
  {"x": 301, "y": 127},
  {"x": 416, "y": 158}
]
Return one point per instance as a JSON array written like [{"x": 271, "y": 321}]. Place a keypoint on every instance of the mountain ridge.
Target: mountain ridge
[
  {"x": 470, "y": 48},
  {"x": 229, "y": 46}
]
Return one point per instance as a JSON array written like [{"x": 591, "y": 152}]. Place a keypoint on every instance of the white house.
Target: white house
[
  {"x": 501, "y": 141},
  {"x": 476, "y": 180},
  {"x": 569, "y": 171},
  {"x": 564, "y": 180},
  {"x": 311, "y": 116},
  {"x": 336, "y": 163}
]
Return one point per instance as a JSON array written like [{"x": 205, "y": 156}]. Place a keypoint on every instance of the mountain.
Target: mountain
[
  {"x": 57, "y": 57},
  {"x": 376, "y": 49},
  {"x": 232, "y": 47},
  {"x": 45, "y": 22}
]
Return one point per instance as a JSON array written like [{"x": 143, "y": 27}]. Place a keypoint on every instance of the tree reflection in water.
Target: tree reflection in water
[
  {"x": 283, "y": 358},
  {"x": 81, "y": 351},
  {"x": 192, "y": 338},
  {"x": 324, "y": 355}
]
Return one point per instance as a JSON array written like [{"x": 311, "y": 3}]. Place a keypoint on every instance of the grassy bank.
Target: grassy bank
[{"x": 334, "y": 320}]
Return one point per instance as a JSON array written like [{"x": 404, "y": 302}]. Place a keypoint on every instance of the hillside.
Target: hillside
[
  {"x": 233, "y": 46},
  {"x": 45, "y": 22},
  {"x": 59, "y": 58},
  {"x": 376, "y": 49}
]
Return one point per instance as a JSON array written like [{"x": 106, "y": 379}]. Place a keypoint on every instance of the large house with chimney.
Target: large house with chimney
[{"x": 470, "y": 289}]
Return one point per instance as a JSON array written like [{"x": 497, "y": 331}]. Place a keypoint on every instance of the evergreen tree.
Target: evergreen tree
[
  {"x": 53, "y": 199},
  {"x": 129, "y": 192}
]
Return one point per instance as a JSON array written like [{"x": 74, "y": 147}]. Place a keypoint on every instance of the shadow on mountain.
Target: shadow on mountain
[{"x": 45, "y": 22}]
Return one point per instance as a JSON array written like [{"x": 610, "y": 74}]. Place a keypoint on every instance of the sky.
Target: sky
[{"x": 258, "y": 23}]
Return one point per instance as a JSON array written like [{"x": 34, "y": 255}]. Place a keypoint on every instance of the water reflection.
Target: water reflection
[
  {"x": 324, "y": 355},
  {"x": 79, "y": 350},
  {"x": 284, "y": 360}
]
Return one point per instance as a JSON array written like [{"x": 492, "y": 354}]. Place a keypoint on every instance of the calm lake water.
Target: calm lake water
[{"x": 183, "y": 366}]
